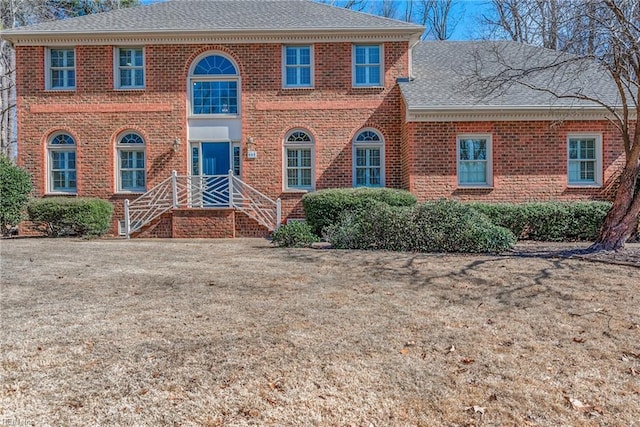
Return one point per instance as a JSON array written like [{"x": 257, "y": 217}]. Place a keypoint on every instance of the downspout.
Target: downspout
[{"x": 413, "y": 42}]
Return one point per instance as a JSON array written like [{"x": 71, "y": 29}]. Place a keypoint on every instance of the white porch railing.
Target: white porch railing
[{"x": 201, "y": 191}]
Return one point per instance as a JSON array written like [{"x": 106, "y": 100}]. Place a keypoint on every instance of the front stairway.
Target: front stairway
[{"x": 210, "y": 202}]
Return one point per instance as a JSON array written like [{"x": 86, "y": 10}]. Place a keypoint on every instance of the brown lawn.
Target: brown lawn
[{"x": 236, "y": 332}]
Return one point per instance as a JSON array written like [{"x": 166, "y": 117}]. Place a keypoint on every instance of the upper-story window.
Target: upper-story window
[
  {"x": 368, "y": 159},
  {"x": 367, "y": 65},
  {"x": 61, "y": 69},
  {"x": 299, "y": 159},
  {"x": 129, "y": 68},
  {"x": 62, "y": 163},
  {"x": 131, "y": 163},
  {"x": 475, "y": 160},
  {"x": 584, "y": 160},
  {"x": 214, "y": 86},
  {"x": 297, "y": 68}
]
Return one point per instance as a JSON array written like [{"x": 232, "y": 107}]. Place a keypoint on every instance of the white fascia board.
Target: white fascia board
[
  {"x": 196, "y": 37},
  {"x": 505, "y": 113}
]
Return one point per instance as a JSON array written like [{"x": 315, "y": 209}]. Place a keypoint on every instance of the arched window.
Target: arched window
[
  {"x": 214, "y": 86},
  {"x": 62, "y": 163},
  {"x": 368, "y": 159},
  {"x": 130, "y": 149},
  {"x": 299, "y": 160}
]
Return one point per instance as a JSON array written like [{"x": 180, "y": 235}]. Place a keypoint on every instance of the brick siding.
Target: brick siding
[{"x": 94, "y": 114}]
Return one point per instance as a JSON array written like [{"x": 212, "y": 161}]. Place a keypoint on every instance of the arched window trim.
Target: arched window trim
[
  {"x": 299, "y": 160},
  {"x": 131, "y": 163},
  {"x": 368, "y": 151},
  {"x": 201, "y": 84},
  {"x": 62, "y": 163}
]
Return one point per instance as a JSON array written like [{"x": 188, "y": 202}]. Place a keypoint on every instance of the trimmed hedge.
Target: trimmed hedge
[
  {"x": 441, "y": 226},
  {"x": 548, "y": 221},
  {"x": 323, "y": 208},
  {"x": 61, "y": 216},
  {"x": 296, "y": 234},
  {"x": 15, "y": 186}
]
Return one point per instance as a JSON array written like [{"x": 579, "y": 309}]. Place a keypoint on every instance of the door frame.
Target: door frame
[{"x": 235, "y": 156}]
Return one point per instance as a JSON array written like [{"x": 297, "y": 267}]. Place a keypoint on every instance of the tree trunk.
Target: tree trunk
[{"x": 622, "y": 219}]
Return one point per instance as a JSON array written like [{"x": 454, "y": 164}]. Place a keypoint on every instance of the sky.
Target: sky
[{"x": 467, "y": 11}]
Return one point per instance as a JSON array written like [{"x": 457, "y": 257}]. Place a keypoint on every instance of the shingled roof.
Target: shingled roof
[
  {"x": 444, "y": 71},
  {"x": 193, "y": 16}
]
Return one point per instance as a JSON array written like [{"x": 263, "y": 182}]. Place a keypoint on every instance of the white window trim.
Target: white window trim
[
  {"x": 116, "y": 69},
  {"x": 353, "y": 66},
  {"x": 369, "y": 144},
  {"x": 47, "y": 69},
  {"x": 59, "y": 148},
  {"x": 598, "y": 166},
  {"x": 298, "y": 145},
  {"x": 489, "y": 172},
  {"x": 312, "y": 67},
  {"x": 129, "y": 147},
  {"x": 198, "y": 78}
]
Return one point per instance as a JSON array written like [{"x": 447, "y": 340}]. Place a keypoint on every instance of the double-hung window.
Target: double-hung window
[
  {"x": 367, "y": 65},
  {"x": 61, "y": 69},
  {"x": 129, "y": 68},
  {"x": 62, "y": 164},
  {"x": 584, "y": 160},
  {"x": 474, "y": 161},
  {"x": 368, "y": 159},
  {"x": 298, "y": 66},
  {"x": 131, "y": 163},
  {"x": 299, "y": 159},
  {"x": 214, "y": 87}
]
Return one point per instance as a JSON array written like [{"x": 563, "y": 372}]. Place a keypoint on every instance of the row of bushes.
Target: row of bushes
[
  {"x": 391, "y": 219},
  {"x": 441, "y": 226},
  {"x": 323, "y": 208},
  {"x": 59, "y": 216},
  {"x": 548, "y": 221}
]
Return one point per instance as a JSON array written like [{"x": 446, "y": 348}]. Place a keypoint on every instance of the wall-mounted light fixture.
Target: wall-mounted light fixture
[{"x": 176, "y": 145}]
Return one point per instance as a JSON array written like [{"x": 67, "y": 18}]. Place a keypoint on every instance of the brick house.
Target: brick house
[{"x": 213, "y": 118}]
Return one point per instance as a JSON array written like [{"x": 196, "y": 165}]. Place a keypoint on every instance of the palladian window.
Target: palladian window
[{"x": 214, "y": 86}]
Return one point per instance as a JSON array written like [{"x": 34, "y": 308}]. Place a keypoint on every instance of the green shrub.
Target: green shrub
[
  {"x": 296, "y": 234},
  {"x": 15, "y": 186},
  {"x": 71, "y": 216},
  {"x": 441, "y": 226},
  {"x": 324, "y": 207},
  {"x": 548, "y": 221}
]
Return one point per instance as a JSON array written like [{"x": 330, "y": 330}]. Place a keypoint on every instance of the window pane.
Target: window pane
[
  {"x": 125, "y": 78},
  {"x": 374, "y": 55},
  {"x": 305, "y": 76},
  {"x": 374, "y": 75},
  {"x": 71, "y": 159},
  {"x": 305, "y": 158},
  {"x": 139, "y": 77},
  {"x": 361, "y": 55},
  {"x": 138, "y": 58},
  {"x": 218, "y": 97},
  {"x": 292, "y": 178},
  {"x": 292, "y": 76},
  {"x": 361, "y": 75},
  {"x": 305, "y": 177},
  {"x": 57, "y": 78},
  {"x": 472, "y": 172},
  {"x": 291, "y": 56}
]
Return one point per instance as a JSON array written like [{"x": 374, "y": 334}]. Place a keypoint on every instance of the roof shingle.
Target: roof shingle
[
  {"x": 443, "y": 71},
  {"x": 219, "y": 15}
]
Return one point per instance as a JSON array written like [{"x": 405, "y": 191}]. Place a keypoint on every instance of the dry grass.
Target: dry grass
[{"x": 235, "y": 332}]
